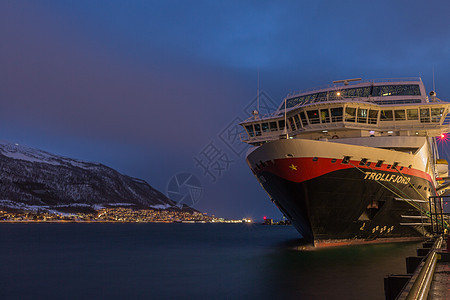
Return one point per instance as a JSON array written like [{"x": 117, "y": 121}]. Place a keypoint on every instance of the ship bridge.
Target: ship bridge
[{"x": 369, "y": 108}]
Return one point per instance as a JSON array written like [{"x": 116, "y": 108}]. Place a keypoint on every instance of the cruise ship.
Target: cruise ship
[{"x": 354, "y": 161}]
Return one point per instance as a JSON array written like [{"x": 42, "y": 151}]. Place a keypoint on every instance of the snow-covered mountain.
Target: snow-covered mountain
[{"x": 35, "y": 178}]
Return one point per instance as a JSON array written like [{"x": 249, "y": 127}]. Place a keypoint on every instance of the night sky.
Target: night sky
[{"x": 148, "y": 87}]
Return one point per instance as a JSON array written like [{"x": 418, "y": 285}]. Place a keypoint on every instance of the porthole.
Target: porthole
[
  {"x": 315, "y": 158},
  {"x": 333, "y": 160}
]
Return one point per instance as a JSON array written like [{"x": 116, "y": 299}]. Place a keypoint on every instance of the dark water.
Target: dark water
[{"x": 185, "y": 261}]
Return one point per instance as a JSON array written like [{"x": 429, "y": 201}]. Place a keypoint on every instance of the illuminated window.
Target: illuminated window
[
  {"x": 436, "y": 114},
  {"x": 412, "y": 114},
  {"x": 424, "y": 115},
  {"x": 350, "y": 114},
  {"x": 396, "y": 90},
  {"x": 324, "y": 116},
  {"x": 336, "y": 114},
  {"x": 313, "y": 116},
  {"x": 373, "y": 116},
  {"x": 386, "y": 115},
  {"x": 362, "y": 115},
  {"x": 399, "y": 115}
]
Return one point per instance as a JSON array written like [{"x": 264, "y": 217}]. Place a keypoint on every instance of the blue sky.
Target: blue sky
[{"x": 144, "y": 86}]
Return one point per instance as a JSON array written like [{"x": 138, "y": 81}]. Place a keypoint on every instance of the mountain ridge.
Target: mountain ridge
[{"x": 36, "y": 178}]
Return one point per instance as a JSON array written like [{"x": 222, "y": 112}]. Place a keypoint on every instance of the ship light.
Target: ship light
[
  {"x": 338, "y": 94},
  {"x": 324, "y": 131},
  {"x": 372, "y": 132}
]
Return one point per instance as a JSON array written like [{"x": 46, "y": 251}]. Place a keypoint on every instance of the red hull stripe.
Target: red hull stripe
[{"x": 305, "y": 168}]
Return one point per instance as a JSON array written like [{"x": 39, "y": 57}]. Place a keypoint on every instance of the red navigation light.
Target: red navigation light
[
  {"x": 442, "y": 136},
  {"x": 265, "y": 218}
]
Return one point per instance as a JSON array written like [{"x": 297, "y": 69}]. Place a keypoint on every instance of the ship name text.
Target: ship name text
[{"x": 394, "y": 178}]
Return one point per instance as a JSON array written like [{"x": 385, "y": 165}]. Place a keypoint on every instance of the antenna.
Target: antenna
[
  {"x": 257, "y": 95},
  {"x": 285, "y": 120},
  {"x": 434, "y": 86}
]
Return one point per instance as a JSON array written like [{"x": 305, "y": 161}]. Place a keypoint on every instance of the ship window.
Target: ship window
[
  {"x": 291, "y": 122},
  {"x": 315, "y": 158},
  {"x": 273, "y": 126},
  {"x": 250, "y": 130},
  {"x": 303, "y": 118},
  {"x": 313, "y": 116},
  {"x": 362, "y": 115},
  {"x": 386, "y": 115},
  {"x": 373, "y": 116},
  {"x": 346, "y": 160},
  {"x": 281, "y": 124},
  {"x": 419, "y": 187},
  {"x": 324, "y": 116},
  {"x": 388, "y": 167},
  {"x": 333, "y": 160},
  {"x": 336, "y": 114},
  {"x": 410, "y": 166},
  {"x": 379, "y": 163},
  {"x": 425, "y": 115},
  {"x": 350, "y": 113},
  {"x": 436, "y": 114},
  {"x": 395, "y": 165},
  {"x": 399, "y": 115},
  {"x": 265, "y": 127},
  {"x": 368, "y": 163},
  {"x": 401, "y": 168},
  {"x": 357, "y": 92},
  {"x": 363, "y": 162},
  {"x": 297, "y": 122},
  {"x": 257, "y": 129},
  {"x": 412, "y": 114},
  {"x": 396, "y": 90}
]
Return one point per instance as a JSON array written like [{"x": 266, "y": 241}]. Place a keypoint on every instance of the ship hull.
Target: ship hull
[{"x": 330, "y": 200}]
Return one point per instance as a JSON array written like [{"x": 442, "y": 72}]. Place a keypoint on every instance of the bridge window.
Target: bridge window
[
  {"x": 399, "y": 115},
  {"x": 436, "y": 114},
  {"x": 297, "y": 122},
  {"x": 273, "y": 126},
  {"x": 250, "y": 130},
  {"x": 303, "y": 118},
  {"x": 425, "y": 115},
  {"x": 386, "y": 115},
  {"x": 257, "y": 129},
  {"x": 313, "y": 116},
  {"x": 362, "y": 115},
  {"x": 412, "y": 114},
  {"x": 291, "y": 122},
  {"x": 324, "y": 116},
  {"x": 350, "y": 114},
  {"x": 336, "y": 114},
  {"x": 373, "y": 116},
  {"x": 281, "y": 124}
]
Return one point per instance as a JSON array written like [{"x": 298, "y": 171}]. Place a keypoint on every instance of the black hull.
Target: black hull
[{"x": 343, "y": 205}]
